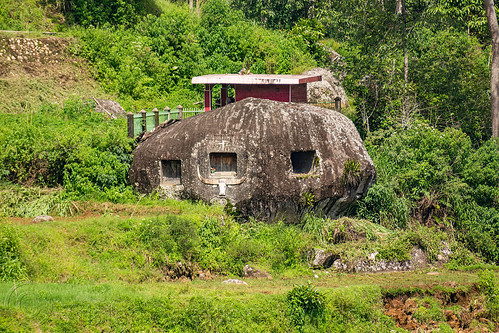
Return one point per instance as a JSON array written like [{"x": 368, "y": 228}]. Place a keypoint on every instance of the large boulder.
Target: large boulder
[
  {"x": 325, "y": 91},
  {"x": 110, "y": 108},
  {"x": 267, "y": 159}
]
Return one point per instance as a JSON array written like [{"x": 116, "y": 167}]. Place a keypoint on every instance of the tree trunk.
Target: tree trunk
[
  {"x": 494, "y": 79},
  {"x": 406, "y": 57}
]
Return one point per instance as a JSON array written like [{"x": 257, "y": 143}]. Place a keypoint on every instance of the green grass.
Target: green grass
[
  {"x": 138, "y": 249},
  {"x": 180, "y": 307},
  {"x": 24, "y": 93},
  {"x": 28, "y": 16},
  {"x": 107, "y": 274},
  {"x": 353, "y": 303}
]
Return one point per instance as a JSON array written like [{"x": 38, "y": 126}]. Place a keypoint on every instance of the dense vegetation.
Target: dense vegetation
[
  {"x": 159, "y": 55},
  {"x": 112, "y": 273},
  {"x": 436, "y": 178},
  {"x": 428, "y": 172},
  {"x": 418, "y": 82},
  {"x": 426, "y": 59},
  {"x": 72, "y": 146}
]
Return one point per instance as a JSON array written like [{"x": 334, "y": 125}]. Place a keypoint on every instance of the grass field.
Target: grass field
[
  {"x": 353, "y": 302},
  {"x": 109, "y": 269}
]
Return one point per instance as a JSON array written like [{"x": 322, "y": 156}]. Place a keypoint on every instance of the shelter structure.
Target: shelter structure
[{"x": 281, "y": 88}]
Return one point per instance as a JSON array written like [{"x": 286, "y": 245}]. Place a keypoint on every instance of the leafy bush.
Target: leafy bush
[
  {"x": 230, "y": 43},
  {"x": 12, "y": 265},
  {"x": 487, "y": 285},
  {"x": 382, "y": 205},
  {"x": 154, "y": 61},
  {"x": 311, "y": 32},
  {"x": 480, "y": 173},
  {"x": 305, "y": 303},
  {"x": 101, "y": 12},
  {"x": 451, "y": 78},
  {"x": 436, "y": 178},
  {"x": 170, "y": 238},
  {"x": 428, "y": 310},
  {"x": 208, "y": 244},
  {"x": 29, "y": 16},
  {"x": 73, "y": 147}
]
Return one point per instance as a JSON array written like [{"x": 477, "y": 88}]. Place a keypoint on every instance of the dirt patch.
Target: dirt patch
[
  {"x": 426, "y": 311},
  {"x": 85, "y": 210}
]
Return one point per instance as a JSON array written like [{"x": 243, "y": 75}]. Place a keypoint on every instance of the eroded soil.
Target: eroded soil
[{"x": 463, "y": 311}]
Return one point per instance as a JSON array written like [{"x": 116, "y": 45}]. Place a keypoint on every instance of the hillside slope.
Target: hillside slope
[{"x": 37, "y": 71}]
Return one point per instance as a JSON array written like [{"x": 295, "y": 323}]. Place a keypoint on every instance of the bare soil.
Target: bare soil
[{"x": 463, "y": 311}]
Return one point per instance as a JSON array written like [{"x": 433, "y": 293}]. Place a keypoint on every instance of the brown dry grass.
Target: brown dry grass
[{"x": 38, "y": 71}]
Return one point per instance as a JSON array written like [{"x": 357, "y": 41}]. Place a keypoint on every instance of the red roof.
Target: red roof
[{"x": 255, "y": 79}]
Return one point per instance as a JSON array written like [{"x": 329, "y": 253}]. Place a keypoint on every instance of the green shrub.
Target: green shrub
[
  {"x": 428, "y": 310},
  {"x": 451, "y": 76},
  {"x": 12, "y": 265},
  {"x": 168, "y": 239},
  {"x": 481, "y": 174},
  {"x": 230, "y": 43},
  {"x": 305, "y": 304},
  {"x": 28, "y": 17},
  {"x": 73, "y": 146},
  {"x": 436, "y": 178},
  {"x": 287, "y": 245},
  {"x": 487, "y": 285},
  {"x": 154, "y": 61},
  {"x": 315, "y": 226},
  {"x": 382, "y": 205},
  {"x": 100, "y": 12}
]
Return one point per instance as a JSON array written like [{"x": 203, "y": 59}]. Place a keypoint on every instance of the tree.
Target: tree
[
  {"x": 494, "y": 78},
  {"x": 450, "y": 74},
  {"x": 462, "y": 15}
]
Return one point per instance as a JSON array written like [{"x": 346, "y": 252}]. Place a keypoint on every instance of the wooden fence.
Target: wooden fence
[
  {"x": 336, "y": 105},
  {"x": 145, "y": 121}
]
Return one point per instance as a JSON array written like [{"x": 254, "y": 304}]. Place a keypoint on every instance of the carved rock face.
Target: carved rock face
[{"x": 269, "y": 159}]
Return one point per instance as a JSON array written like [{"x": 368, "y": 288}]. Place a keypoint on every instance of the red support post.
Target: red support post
[
  {"x": 224, "y": 95},
  {"x": 207, "y": 97}
]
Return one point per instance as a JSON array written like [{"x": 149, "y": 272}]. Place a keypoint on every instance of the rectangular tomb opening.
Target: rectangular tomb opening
[
  {"x": 171, "y": 172},
  {"x": 302, "y": 161},
  {"x": 223, "y": 164}
]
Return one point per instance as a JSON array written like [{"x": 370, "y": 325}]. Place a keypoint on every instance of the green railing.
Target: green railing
[{"x": 148, "y": 120}]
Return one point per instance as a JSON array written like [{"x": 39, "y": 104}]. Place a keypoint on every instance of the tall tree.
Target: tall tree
[{"x": 494, "y": 79}]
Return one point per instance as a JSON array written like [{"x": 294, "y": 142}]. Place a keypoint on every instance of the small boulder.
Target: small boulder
[
  {"x": 204, "y": 275},
  {"x": 322, "y": 259},
  {"x": 110, "y": 108},
  {"x": 372, "y": 256},
  {"x": 419, "y": 259},
  {"x": 43, "y": 218},
  {"x": 444, "y": 255},
  {"x": 234, "y": 281},
  {"x": 327, "y": 90},
  {"x": 250, "y": 272}
]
